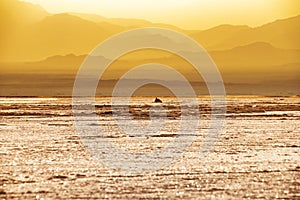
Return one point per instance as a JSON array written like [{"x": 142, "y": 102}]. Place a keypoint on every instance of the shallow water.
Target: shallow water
[{"x": 256, "y": 157}]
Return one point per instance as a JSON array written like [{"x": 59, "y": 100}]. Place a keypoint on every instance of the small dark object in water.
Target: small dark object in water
[{"x": 157, "y": 100}]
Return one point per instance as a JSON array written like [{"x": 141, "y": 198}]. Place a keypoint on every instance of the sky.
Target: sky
[{"x": 188, "y": 14}]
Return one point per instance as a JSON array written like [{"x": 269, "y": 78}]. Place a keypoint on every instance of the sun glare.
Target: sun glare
[{"x": 187, "y": 14}]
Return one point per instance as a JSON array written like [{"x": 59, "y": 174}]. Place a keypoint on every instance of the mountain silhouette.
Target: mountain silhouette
[
  {"x": 46, "y": 50},
  {"x": 34, "y": 34},
  {"x": 14, "y": 16},
  {"x": 281, "y": 34},
  {"x": 254, "y": 56}
]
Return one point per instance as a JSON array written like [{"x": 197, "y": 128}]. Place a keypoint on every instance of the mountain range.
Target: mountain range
[
  {"x": 33, "y": 41},
  {"x": 34, "y": 34}
]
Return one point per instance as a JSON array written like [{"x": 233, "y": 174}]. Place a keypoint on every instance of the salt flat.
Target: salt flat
[{"x": 256, "y": 157}]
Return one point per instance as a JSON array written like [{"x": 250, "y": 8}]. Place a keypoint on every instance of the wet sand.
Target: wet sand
[{"x": 257, "y": 156}]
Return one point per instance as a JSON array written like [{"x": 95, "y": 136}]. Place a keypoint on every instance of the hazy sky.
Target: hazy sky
[{"x": 189, "y": 14}]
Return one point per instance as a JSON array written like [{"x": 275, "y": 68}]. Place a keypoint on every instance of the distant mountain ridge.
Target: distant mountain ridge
[
  {"x": 40, "y": 53},
  {"x": 251, "y": 63},
  {"x": 280, "y": 33},
  {"x": 37, "y": 34}
]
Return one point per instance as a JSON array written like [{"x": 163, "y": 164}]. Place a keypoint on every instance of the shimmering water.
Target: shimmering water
[{"x": 257, "y": 156}]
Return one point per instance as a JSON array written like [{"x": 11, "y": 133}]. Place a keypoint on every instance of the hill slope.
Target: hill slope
[
  {"x": 14, "y": 15},
  {"x": 281, "y": 34}
]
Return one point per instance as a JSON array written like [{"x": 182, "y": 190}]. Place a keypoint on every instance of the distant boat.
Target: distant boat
[{"x": 157, "y": 100}]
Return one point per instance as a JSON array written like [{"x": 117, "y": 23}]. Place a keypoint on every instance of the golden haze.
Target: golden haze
[
  {"x": 188, "y": 14},
  {"x": 36, "y": 43}
]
